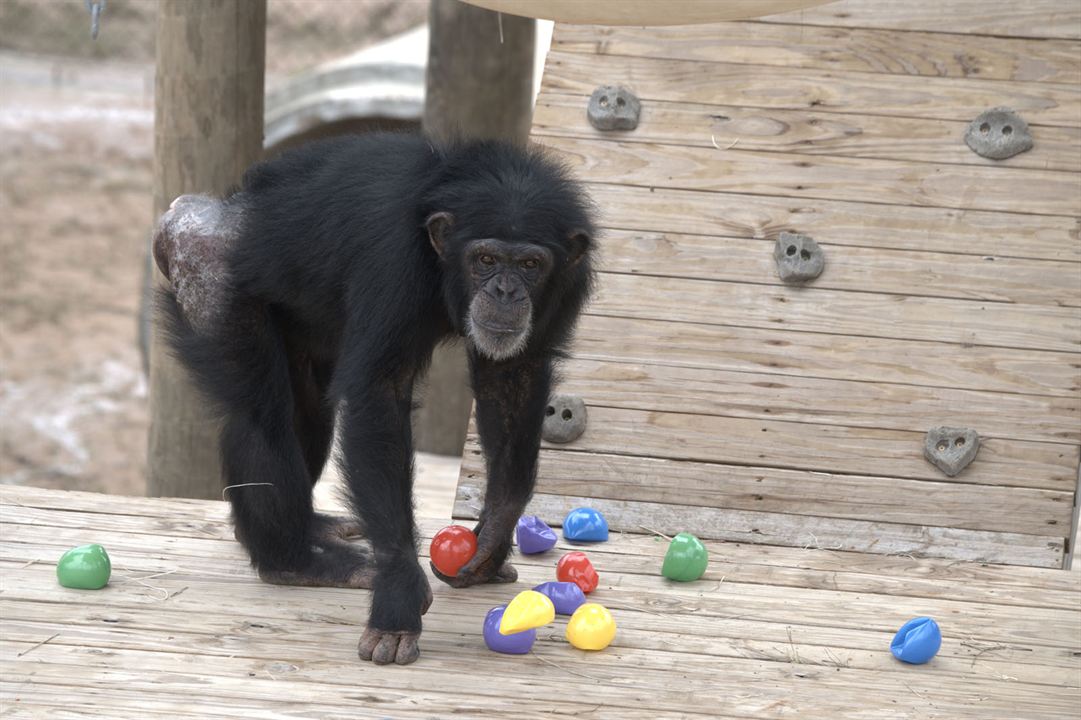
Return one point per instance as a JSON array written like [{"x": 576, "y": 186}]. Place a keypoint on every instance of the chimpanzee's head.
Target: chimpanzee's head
[{"x": 515, "y": 237}]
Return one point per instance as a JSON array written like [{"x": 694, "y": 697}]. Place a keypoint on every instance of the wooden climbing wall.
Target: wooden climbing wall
[{"x": 723, "y": 402}]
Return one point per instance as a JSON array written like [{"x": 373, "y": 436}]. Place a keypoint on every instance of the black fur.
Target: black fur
[{"x": 336, "y": 300}]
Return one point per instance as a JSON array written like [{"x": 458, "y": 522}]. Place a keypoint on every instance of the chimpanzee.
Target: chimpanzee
[{"x": 319, "y": 289}]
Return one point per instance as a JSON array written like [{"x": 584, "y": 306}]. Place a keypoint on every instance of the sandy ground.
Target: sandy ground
[
  {"x": 76, "y": 147},
  {"x": 75, "y": 160}
]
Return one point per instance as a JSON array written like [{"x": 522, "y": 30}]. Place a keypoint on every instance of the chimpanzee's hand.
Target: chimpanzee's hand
[{"x": 489, "y": 564}]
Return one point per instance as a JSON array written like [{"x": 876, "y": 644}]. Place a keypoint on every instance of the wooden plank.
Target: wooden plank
[
  {"x": 923, "y": 229},
  {"x": 884, "y": 182},
  {"x": 1035, "y": 327},
  {"x": 827, "y": 402},
  {"x": 796, "y": 530},
  {"x": 819, "y": 448},
  {"x": 626, "y": 583},
  {"x": 142, "y": 628},
  {"x": 798, "y": 492},
  {"x": 816, "y": 355},
  {"x": 805, "y": 132},
  {"x": 1033, "y": 18},
  {"x": 846, "y": 648},
  {"x": 210, "y": 62},
  {"x": 834, "y": 692},
  {"x": 799, "y": 89},
  {"x": 899, "y": 272},
  {"x": 168, "y": 518},
  {"x": 933, "y": 54}
]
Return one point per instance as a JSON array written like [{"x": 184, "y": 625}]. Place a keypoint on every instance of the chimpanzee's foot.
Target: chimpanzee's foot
[
  {"x": 383, "y": 647},
  {"x": 506, "y": 573},
  {"x": 335, "y": 527},
  {"x": 333, "y": 564}
]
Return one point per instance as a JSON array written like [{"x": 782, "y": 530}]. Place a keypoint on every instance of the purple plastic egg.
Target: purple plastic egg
[
  {"x": 566, "y": 596},
  {"x": 513, "y": 644},
  {"x": 534, "y": 536}
]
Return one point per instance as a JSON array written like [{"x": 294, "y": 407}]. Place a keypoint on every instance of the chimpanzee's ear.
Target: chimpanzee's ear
[
  {"x": 438, "y": 224},
  {"x": 577, "y": 244}
]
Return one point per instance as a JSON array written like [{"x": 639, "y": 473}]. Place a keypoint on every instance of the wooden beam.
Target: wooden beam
[
  {"x": 479, "y": 85},
  {"x": 208, "y": 129}
]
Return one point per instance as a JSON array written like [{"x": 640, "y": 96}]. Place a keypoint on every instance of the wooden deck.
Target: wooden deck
[
  {"x": 783, "y": 426},
  {"x": 185, "y": 630},
  {"x": 725, "y": 403}
]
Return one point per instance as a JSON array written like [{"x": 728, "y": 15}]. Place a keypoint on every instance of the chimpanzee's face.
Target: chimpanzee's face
[{"x": 504, "y": 278}]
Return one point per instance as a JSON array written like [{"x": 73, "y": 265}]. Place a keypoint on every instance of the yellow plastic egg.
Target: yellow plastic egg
[
  {"x": 529, "y": 609},
  {"x": 591, "y": 627}
]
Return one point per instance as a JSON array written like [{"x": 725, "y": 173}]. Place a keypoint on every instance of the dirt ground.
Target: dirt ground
[{"x": 76, "y": 145}]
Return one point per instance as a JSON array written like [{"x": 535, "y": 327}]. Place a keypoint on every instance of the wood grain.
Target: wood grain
[
  {"x": 899, "y": 272},
  {"x": 864, "y": 180},
  {"x": 817, "y": 448},
  {"x": 932, "y": 54},
  {"x": 828, "y": 402},
  {"x": 806, "y": 530},
  {"x": 958, "y": 99},
  {"x": 1032, "y": 19},
  {"x": 819, "y": 355},
  {"x": 1036, "y": 327},
  {"x": 661, "y": 209},
  {"x": 208, "y": 128},
  {"x": 795, "y": 492},
  {"x": 804, "y": 132}
]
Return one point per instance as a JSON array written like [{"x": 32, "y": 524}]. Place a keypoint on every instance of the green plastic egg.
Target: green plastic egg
[
  {"x": 86, "y": 567},
  {"x": 686, "y": 558}
]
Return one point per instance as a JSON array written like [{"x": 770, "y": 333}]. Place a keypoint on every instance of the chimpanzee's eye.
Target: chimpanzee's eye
[
  {"x": 530, "y": 264},
  {"x": 487, "y": 259}
]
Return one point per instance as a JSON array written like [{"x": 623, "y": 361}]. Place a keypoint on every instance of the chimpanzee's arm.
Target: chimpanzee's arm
[{"x": 511, "y": 397}]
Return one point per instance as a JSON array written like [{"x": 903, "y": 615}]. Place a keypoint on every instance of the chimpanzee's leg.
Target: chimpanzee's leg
[
  {"x": 263, "y": 442},
  {"x": 377, "y": 449},
  {"x": 511, "y": 397},
  {"x": 238, "y": 358},
  {"x": 313, "y": 423}
]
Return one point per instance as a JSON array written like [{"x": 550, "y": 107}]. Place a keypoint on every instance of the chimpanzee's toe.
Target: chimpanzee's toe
[{"x": 383, "y": 647}]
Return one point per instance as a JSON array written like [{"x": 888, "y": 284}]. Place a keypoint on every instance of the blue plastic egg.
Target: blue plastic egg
[
  {"x": 917, "y": 641},
  {"x": 585, "y": 525}
]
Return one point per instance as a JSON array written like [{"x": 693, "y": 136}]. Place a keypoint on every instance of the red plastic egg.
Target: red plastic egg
[
  {"x": 575, "y": 567},
  {"x": 452, "y": 547}
]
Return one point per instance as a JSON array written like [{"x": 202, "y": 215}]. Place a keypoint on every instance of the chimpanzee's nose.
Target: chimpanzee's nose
[{"x": 506, "y": 290}]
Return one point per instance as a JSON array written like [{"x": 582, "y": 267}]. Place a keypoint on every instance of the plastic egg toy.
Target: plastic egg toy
[
  {"x": 529, "y": 609},
  {"x": 917, "y": 641},
  {"x": 452, "y": 547},
  {"x": 591, "y": 627},
  {"x": 575, "y": 567},
  {"x": 534, "y": 535},
  {"x": 686, "y": 558},
  {"x": 514, "y": 644},
  {"x": 86, "y": 567},
  {"x": 585, "y": 525},
  {"x": 565, "y": 596}
]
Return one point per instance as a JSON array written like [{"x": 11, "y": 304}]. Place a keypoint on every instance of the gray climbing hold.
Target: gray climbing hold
[
  {"x": 998, "y": 134},
  {"x": 613, "y": 107},
  {"x": 564, "y": 419},
  {"x": 798, "y": 257},
  {"x": 951, "y": 449}
]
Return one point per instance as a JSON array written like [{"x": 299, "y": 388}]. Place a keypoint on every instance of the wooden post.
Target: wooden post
[
  {"x": 479, "y": 85},
  {"x": 208, "y": 127}
]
